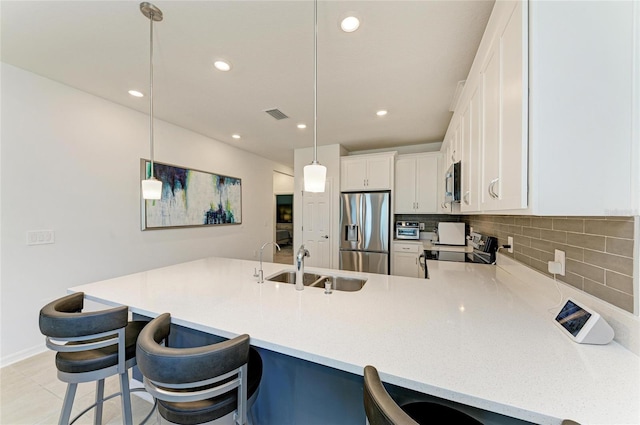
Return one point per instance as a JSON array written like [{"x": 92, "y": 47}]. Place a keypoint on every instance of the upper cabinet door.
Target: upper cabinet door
[
  {"x": 427, "y": 184},
  {"x": 354, "y": 174},
  {"x": 490, "y": 176},
  {"x": 471, "y": 146},
  {"x": 405, "y": 192},
  {"x": 379, "y": 173},
  {"x": 417, "y": 184},
  {"x": 511, "y": 186},
  {"x": 367, "y": 172}
]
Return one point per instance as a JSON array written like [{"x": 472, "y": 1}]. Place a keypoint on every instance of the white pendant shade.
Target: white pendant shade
[
  {"x": 151, "y": 188},
  {"x": 314, "y": 177}
]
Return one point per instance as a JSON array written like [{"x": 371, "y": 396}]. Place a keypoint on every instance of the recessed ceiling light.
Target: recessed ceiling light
[
  {"x": 235, "y": 136},
  {"x": 350, "y": 24},
  {"x": 222, "y": 65},
  {"x": 381, "y": 113},
  {"x": 301, "y": 126},
  {"x": 135, "y": 93}
]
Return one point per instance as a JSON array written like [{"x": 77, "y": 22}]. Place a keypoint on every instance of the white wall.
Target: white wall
[
  {"x": 70, "y": 162},
  {"x": 282, "y": 183}
]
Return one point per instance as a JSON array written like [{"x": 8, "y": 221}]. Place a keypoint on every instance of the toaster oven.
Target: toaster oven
[{"x": 407, "y": 230}]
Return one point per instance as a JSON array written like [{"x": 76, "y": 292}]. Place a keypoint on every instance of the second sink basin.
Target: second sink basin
[
  {"x": 341, "y": 283},
  {"x": 338, "y": 283}
]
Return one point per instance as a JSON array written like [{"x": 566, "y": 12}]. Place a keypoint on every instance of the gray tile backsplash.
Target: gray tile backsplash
[{"x": 599, "y": 250}]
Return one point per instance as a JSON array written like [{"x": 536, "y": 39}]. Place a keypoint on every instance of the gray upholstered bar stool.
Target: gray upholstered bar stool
[
  {"x": 381, "y": 409},
  {"x": 91, "y": 346},
  {"x": 199, "y": 384}
]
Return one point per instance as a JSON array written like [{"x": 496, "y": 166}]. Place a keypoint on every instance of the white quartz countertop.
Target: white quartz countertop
[{"x": 472, "y": 333}]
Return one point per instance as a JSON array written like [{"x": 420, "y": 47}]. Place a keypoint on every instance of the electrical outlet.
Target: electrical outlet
[
  {"x": 510, "y": 243},
  {"x": 560, "y": 259},
  {"x": 40, "y": 237}
]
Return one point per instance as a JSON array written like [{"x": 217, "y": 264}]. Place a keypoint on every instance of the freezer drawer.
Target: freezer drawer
[{"x": 360, "y": 261}]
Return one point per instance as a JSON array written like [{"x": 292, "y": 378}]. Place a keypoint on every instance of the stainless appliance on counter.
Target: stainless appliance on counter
[
  {"x": 364, "y": 231},
  {"x": 407, "y": 230}
]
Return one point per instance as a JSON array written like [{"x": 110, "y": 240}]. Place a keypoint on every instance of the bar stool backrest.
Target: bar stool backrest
[
  {"x": 192, "y": 374},
  {"x": 379, "y": 407},
  {"x": 68, "y": 329}
]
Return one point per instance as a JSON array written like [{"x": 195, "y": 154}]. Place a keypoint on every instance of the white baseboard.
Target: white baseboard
[{"x": 22, "y": 354}]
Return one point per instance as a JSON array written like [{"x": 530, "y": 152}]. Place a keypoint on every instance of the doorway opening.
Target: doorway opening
[{"x": 284, "y": 229}]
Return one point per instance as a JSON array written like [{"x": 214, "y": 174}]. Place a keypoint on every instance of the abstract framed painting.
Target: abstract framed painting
[{"x": 190, "y": 198}]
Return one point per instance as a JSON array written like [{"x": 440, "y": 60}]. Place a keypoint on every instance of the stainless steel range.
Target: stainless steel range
[{"x": 484, "y": 252}]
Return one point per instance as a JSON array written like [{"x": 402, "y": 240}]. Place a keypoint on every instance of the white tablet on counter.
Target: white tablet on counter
[{"x": 583, "y": 325}]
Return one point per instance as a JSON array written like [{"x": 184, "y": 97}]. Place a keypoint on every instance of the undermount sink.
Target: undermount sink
[
  {"x": 338, "y": 283},
  {"x": 290, "y": 277}
]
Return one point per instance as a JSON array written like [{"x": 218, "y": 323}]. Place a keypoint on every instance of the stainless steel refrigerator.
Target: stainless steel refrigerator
[{"x": 364, "y": 232}]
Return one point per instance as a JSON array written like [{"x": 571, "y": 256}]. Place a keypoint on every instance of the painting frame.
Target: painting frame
[{"x": 185, "y": 194}]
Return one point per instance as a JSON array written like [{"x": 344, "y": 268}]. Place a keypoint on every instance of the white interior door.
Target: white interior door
[{"x": 316, "y": 227}]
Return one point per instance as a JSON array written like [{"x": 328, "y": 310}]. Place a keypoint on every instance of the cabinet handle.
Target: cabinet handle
[
  {"x": 492, "y": 192},
  {"x": 466, "y": 197},
  {"x": 325, "y": 237},
  {"x": 417, "y": 205}
]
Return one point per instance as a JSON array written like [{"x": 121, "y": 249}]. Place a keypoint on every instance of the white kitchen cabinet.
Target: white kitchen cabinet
[
  {"x": 367, "y": 172},
  {"x": 489, "y": 126},
  {"x": 470, "y": 146},
  {"x": 417, "y": 183},
  {"x": 558, "y": 111},
  {"x": 405, "y": 259},
  {"x": 584, "y": 113},
  {"x": 504, "y": 140}
]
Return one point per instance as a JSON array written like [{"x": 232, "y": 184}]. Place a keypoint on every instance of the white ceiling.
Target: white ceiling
[{"x": 406, "y": 57}]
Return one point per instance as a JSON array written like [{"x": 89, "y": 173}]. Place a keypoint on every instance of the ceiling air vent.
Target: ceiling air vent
[{"x": 276, "y": 113}]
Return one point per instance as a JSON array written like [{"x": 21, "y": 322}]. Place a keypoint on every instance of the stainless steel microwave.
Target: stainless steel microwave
[{"x": 452, "y": 183}]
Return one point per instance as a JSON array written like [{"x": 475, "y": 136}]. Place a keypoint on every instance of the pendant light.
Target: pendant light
[
  {"x": 314, "y": 173},
  {"x": 151, "y": 187}
]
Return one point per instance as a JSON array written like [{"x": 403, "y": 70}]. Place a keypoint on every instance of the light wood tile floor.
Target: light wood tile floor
[{"x": 30, "y": 393}]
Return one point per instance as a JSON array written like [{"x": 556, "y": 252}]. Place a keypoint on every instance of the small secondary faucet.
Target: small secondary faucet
[
  {"x": 302, "y": 252},
  {"x": 260, "y": 274}
]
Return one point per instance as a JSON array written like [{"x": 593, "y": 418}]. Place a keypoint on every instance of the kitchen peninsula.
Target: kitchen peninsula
[{"x": 473, "y": 334}]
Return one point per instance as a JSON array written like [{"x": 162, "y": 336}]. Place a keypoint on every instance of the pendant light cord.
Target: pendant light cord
[
  {"x": 151, "y": 89},
  {"x": 315, "y": 81}
]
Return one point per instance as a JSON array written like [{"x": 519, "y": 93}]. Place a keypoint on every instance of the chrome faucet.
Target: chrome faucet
[
  {"x": 302, "y": 252},
  {"x": 260, "y": 274}
]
